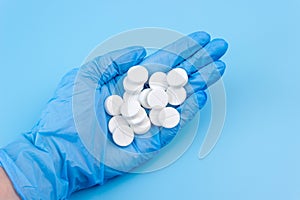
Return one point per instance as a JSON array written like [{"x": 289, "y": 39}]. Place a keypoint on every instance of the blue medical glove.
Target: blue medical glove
[{"x": 70, "y": 147}]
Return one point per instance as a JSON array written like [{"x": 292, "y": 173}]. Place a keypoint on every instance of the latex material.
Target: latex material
[{"x": 52, "y": 161}]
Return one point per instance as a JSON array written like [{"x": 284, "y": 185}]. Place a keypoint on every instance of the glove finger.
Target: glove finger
[
  {"x": 187, "y": 112},
  {"x": 104, "y": 68},
  {"x": 213, "y": 51},
  {"x": 205, "y": 77},
  {"x": 176, "y": 52}
]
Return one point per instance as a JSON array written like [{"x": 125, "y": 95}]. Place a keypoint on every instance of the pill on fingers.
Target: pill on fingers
[
  {"x": 177, "y": 95},
  {"x": 138, "y": 74},
  {"x": 141, "y": 115},
  {"x": 130, "y": 97},
  {"x": 142, "y": 128},
  {"x": 123, "y": 136},
  {"x": 157, "y": 98},
  {"x": 113, "y": 104},
  {"x": 132, "y": 88},
  {"x": 158, "y": 80},
  {"x": 169, "y": 117},
  {"x": 130, "y": 108},
  {"x": 143, "y": 98},
  {"x": 153, "y": 115},
  {"x": 177, "y": 77},
  {"x": 116, "y": 122}
]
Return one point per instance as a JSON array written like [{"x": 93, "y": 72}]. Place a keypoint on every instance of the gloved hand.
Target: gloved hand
[{"x": 70, "y": 148}]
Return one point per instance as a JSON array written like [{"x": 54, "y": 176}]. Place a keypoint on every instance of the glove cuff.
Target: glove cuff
[
  {"x": 16, "y": 176},
  {"x": 43, "y": 167}
]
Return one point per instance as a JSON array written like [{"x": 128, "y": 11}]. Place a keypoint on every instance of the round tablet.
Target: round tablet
[
  {"x": 116, "y": 122},
  {"x": 138, "y": 118},
  {"x": 153, "y": 115},
  {"x": 113, "y": 104},
  {"x": 158, "y": 80},
  {"x": 143, "y": 98},
  {"x": 169, "y": 117},
  {"x": 123, "y": 136},
  {"x": 177, "y": 77},
  {"x": 157, "y": 98},
  {"x": 130, "y": 97},
  {"x": 143, "y": 127},
  {"x": 177, "y": 95},
  {"x": 130, "y": 108},
  {"x": 131, "y": 87},
  {"x": 138, "y": 74}
]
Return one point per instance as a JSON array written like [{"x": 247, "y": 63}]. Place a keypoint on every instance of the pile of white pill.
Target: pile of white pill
[{"x": 129, "y": 115}]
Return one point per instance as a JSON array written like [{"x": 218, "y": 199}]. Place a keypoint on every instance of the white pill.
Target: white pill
[
  {"x": 113, "y": 104},
  {"x": 143, "y": 98},
  {"x": 123, "y": 136},
  {"x": 138, "y": 118},
  {"x": 169, "y": 117},
  {"x": 130, "y": 108},
  {"x": 132, "y": 88},
  {"x": 157, "y": 98},
  {"x": 130, "y": 97},
  {"x": 142, "y": 128},
  {"x": 158, "y": 80},
  {"x": 116, "y": 122},
  {"x": 177, "y": 95},
  {"x": 153, "y": 115},
  {"x": 138, "y": 74},
  {"x": 177, "y": 77}
]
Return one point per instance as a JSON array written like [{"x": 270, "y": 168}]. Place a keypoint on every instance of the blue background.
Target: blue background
[{"x": 257, "y": 156}]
